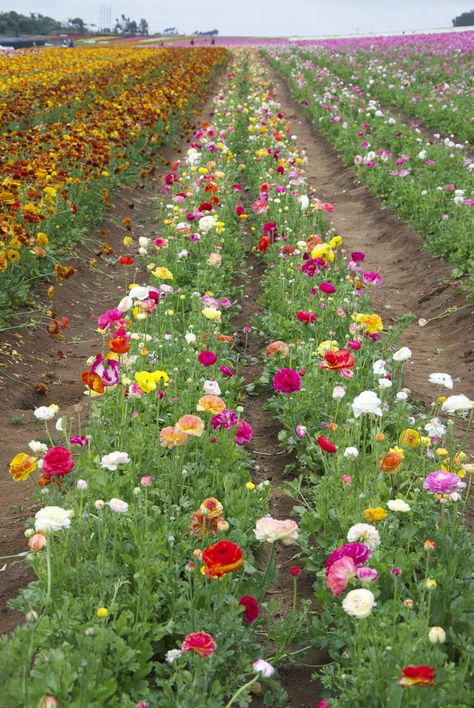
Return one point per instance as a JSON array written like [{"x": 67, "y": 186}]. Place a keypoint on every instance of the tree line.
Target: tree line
[{"x": 14, "y": 24}]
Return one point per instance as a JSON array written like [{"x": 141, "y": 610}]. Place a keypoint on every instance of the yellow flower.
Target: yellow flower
[
  {"x": 441, "y": 452},
  {"x": 22, "y": 466},
  {"x": 329, "y": 345},
  {"x": 410, "y": 438},
  {"x": 211, "y": 313},
  {"x": 127, "y": 240},
  {"x": 250, "y": 486},
  {"x": 373, "y": 323},
  {"x": 335, "y": 242},
  {"x": 324, "y": 251},
  {"x": 163, "y": 273},
  {"x": 102, "y": 612},
  {"x": 430, "y": 583},
  {"x": 148, "y": 380},
  {"x": 375, "y": 514},
  {"x": 42, "y": 239}
]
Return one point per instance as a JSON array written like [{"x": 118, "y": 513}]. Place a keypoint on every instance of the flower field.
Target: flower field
[{"x": 156, "y": 542}]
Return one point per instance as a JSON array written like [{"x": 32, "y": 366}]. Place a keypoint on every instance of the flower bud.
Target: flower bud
[{"x": 437, "y": 635}]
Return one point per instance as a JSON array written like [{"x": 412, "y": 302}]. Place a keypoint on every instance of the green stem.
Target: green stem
[{"x": 240, "y": 691}]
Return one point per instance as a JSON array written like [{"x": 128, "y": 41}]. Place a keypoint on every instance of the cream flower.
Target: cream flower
[
  {"x": 359, "y": 603},
  {"x": 398, "y": 505},
  {"x": 114, "y": 459},
  {"x": 366, "y": 534},
  {"x": 271, "y": 530},
  {"x": 454, "y": 404},
  {"x": 118, "y": 505},
  {"x": 52, "y": 518},
  {"x": 212, "y": 388}
]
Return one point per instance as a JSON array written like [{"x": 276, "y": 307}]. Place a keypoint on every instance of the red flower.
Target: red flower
[
  {"x": 417, "y": 676},
  {"x": 119, "y": 345},
  {"x": 57, "y": 462},
  {"x": 200, "y": 642},
  {"x": 264, "y": 243},
  {"x": 304, "y": 316},
  {"x": 340, "y": 359},
  {"x": 295, "y": 571},
  {"x": 221, "y": 558},
  {"x": 251, "y": 608},
  {"x": 93, "y": 381},
  {"x": 125, "y": 260},
  {"x": 326, "y": 445}
]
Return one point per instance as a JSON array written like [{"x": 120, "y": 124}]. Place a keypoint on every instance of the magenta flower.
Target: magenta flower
[
  {"x": 372, "y": 277},
  {"x": 358, "y": 256},
  {"x": 79, "y": 440},
  {"x": 286, "y": 381},
  {"x": 207, "y": 358},
  {"x": 107, "y": 369},
  {"x": 244, "y": 433},
  {"x": 441, "y": 482},
  {"x": 226, "y": 371},
  {"x": 110, "y": 317},
  {"x": 367, "y": 574},
  {"x": 225, "y": 419},
  {"x": 359, "y": 553},
  {"x": 327, "y": 288}
]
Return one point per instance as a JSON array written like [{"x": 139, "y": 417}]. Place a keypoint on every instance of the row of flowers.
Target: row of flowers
[
  {"x": 147, "y": 587},
  {"x": 430, "y": 182},
  {"x": 380, "y": 485},
  {"x": 54, "y": 181}
]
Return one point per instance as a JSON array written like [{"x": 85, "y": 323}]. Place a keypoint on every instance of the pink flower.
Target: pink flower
[
  {"x": 339, "y": 574},
  {"x": 110, "y": 317},
  {"x": 286, "y": 381},
  {"x": 225, "y": 419},
  {"x": 207, "y": 358},
  {"x": 441, "y": 482},
  {"x": 359, "y": 553},
  {"x": 80, "y": 440},
  {"x": 57, "y": 462},
  {"x": 146, "y": 481},
  {"x": 346, "y": 479},
  {"x": 358, "y": 256},
  {"x": 367, "y": 574},
  {"x": 107, "y": 369},
  {"x": 226, "y": 371},
  {"x": 327, "y": 288},
  {"x": 244, "y": 433},
  {"x": 200, "y": 642}
]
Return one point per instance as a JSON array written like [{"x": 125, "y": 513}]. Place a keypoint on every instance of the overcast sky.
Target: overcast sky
[{"x": 261, "y": 17}]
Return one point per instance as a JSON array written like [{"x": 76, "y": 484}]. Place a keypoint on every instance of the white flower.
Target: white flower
[
  {"x": 366, "y": 402},
  {"x": 453, "y": 404},
  {"x": 59, "y": 425},
  {"x": 99, "y": 504},
  {"x": 269, "y": 530},
  {"x": 338, "y": 393},
  {"x": 212, "y": 388},
  {"x": 52, "y": 518},
  {"x": 364, "y": 533},
  {"x": 352, "y": 452},
  {"x": 359, "y": 603},
  {"x": 206, "y": 223},
  {"x": 441, "y": 380},
  {"x": 190, "y": 337},
  {"x": 81, "y": 484},
  {"x": 263, "y": 667},
  {"x": 437, "y": 635},
  {"x": 398, "y": 505},
  {"x": 378, "y": 367},
  {"x": 435, "y": 428},
  {"x": 422, "y": 155},
  {"x": 139, "y": 293},
  {"x": 385, "y": 383},
  {"x": 402, "y": 396},
  {"x": 304, "y": 202},
  {"x": 119, "y": 506},
  {"x": 37, "y": 447},
  {"x": 113, "y": 460},
  {"x": 402, "y": 354},
  {"x": 172, "y": 655},
  {"x": 143, "y": 241},
  {"x": 44, "y": 413}
]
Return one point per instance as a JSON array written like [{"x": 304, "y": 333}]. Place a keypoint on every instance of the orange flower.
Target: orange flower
[
  {"x": 375, "y": 514},
  {"x": 392, "y": 461},
  {"x": 171, "y": 437},
  {"x": 221, "y": 558},
  {"x": 119, "y": 345},
  {"x": 225, "y": 338},
  {"x": 22, "y": 466},
  {"x": 191, "y": 425},
  {"x": 210, "y": 404},
  {"x": 339, "y": 359},
  {"x": 93, "y": 381},
  {"x": 277, "y": 347}
]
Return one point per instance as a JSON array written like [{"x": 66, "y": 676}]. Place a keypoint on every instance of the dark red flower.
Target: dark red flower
[{"x": 252, "y": 609}]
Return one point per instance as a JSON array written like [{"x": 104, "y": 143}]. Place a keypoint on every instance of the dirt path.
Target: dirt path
[
  {"x": 270, "y": 463},
  {"x": 413, "y": 280}
]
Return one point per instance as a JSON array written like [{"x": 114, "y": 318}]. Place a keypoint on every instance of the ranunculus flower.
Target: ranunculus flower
[
  {"x": 37, "y": 542},
  {"x": 57, "y": 462},
  {"x": 190, "y": 425},
  {"x": 441, "y": 482},
  {"x": 80, "y": 440},
  {"x": 286, "y": 381},
  {"x": 437, "y": 635},
  {"x": 221, "y": 558},
  {"x": 366, "y": 402},
  {"x": 439, "y": 379},
  {"x": 367, "y": 574},
  {"x": 359, "y": 552},
  {"x": 305, "y": 316},
  {"x": 44, "y": 413},
  {"x": 326, "y": 444},
  {"x": 251, "y": 608},
  {"x": 212, "y": 388},
  {"x": 402, "y": 354},
  {"x": 200, "y": 642},
  {"x": 118, "y": 506},
  {"x": 207, "y": 358},
  {"x": 210, "y": 404},
  {"x": 455, "y": 404},
  {"x": 339, "y": 359},
  {"x": 114, "y": 459},
  {"x": 278, "y": 347},
  {"x": 244, "y": 433},
  {"x": 398, "y": 505},
  {"x": 339, "y": 574},
  {"x": 52, "y": 518},
  {"x": 226, "y": 419},
  {"x": 359, "y": 603},
  {"x": 270, "y": 530},
  {"x": 263, "y": 667},
  {"x": 226, "y": 371},
  {"x": 327, "y": 288},
  {"x": 22, "y": 466},
  {"x": 366, "y": 534},
  {"x": 171, "y": 437},
  {"x": 417, "y": 676}
]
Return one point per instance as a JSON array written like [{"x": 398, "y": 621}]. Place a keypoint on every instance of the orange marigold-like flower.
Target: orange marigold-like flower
[
  {"x": 375, "y": 514},
  {"x": 392, "y": 461}
]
